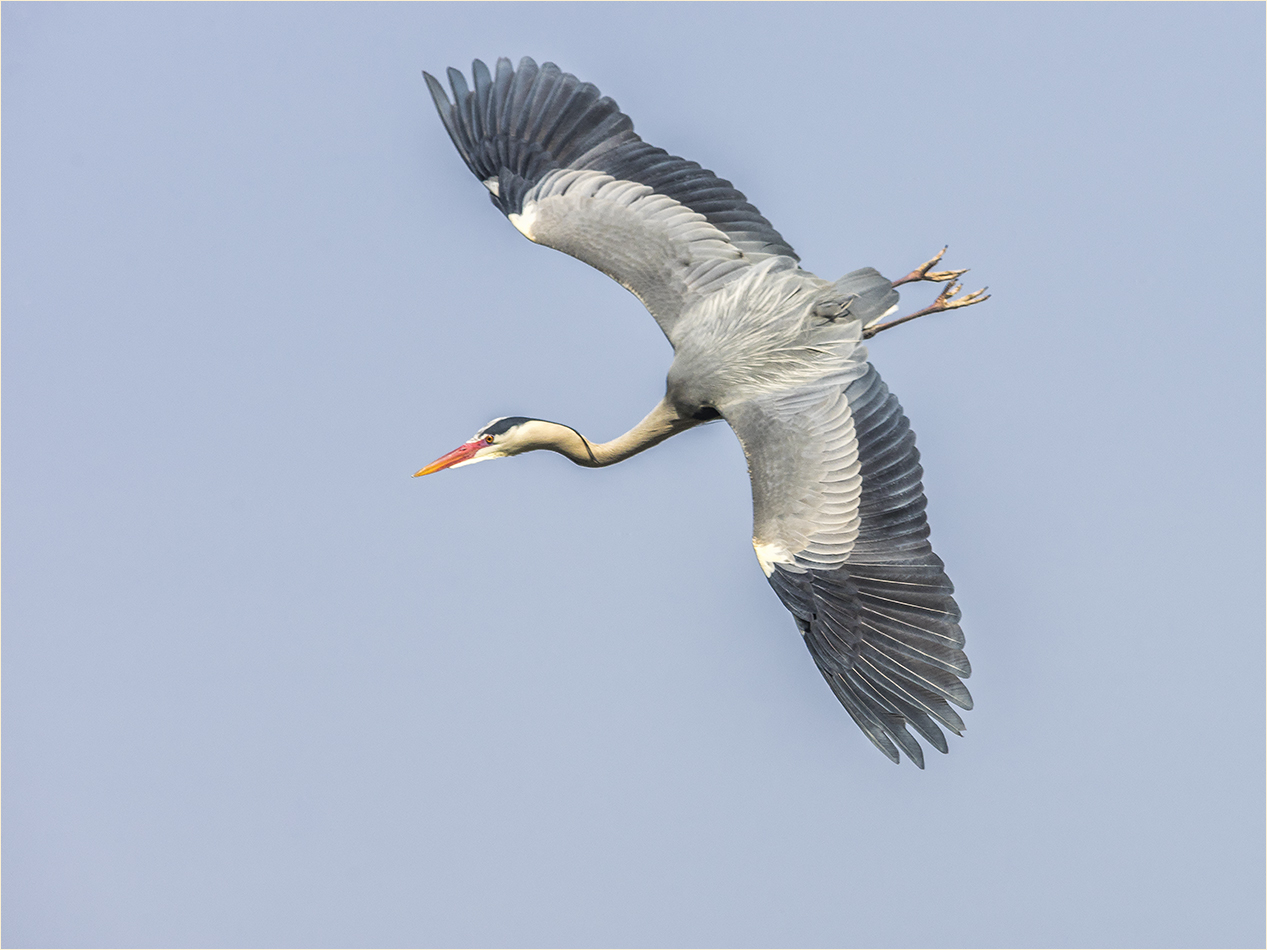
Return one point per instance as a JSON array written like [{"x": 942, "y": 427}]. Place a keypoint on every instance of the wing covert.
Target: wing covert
[
  {"x": 854, "y": 565},
  {"x": 564, "y": 164}
]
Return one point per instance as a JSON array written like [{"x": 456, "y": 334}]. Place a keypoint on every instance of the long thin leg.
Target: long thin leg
[
  {"x": 925, "y": 272},
  {"x": 943, "y": 302}
]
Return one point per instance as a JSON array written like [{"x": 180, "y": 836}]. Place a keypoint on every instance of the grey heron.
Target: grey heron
[{"x": 838, "y": 505}]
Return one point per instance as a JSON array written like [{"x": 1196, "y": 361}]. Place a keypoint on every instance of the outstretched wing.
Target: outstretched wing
[
  {"x": 562, "y": 162},
  {"x": 840, "y": 530}
]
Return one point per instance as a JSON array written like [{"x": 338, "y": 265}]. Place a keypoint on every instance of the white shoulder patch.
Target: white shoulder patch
[
  {"x": 493, "y": 185},
  {"x": 769, "y": 554},
  {"x": 523, "y": 221}
]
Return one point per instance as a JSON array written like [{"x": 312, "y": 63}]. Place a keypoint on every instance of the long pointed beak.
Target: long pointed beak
[{"x": 460, "y": 454}]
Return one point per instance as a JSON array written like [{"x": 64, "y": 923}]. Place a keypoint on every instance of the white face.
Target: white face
[
  {"x": 486, "y": 447},
  {"x": 480, "y": 447}
]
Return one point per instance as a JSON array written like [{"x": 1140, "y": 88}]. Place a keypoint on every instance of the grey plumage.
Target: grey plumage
[
  {"x": 524, "y": 123},
  {"x": 883, "y": 628},
  {"x": 838, "y": 504}
]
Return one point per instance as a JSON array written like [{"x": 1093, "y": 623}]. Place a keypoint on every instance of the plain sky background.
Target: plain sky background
[{"x": 262, "y": 688}]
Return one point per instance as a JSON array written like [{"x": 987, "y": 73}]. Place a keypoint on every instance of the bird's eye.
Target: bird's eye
[{"x": 488, "y": 439}]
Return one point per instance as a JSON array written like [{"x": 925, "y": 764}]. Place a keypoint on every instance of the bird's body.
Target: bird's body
[{"x": 838, "y": 507}]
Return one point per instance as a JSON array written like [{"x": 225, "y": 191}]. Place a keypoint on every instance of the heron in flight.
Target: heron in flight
[{"x": 838, "y": 506}]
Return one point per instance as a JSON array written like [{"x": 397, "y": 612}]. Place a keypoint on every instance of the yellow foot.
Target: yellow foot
[
  {"x": 946, "y": 300},
  {"x": 925, "y": 272}
]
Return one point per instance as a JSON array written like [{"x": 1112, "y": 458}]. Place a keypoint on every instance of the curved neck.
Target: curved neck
[{"x": 661, "y": 422}]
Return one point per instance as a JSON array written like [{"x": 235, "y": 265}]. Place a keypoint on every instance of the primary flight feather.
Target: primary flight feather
[{"x": 838, "y": 506}]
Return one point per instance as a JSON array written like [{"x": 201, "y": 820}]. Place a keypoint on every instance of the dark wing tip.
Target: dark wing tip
[
  {"x": 438, "y": 95},
  {"x": 458, "y": 83},
  {"x": 534, "y": 119}
]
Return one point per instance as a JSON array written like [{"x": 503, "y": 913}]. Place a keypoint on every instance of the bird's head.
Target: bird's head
[{"x": 509, "y": 435}]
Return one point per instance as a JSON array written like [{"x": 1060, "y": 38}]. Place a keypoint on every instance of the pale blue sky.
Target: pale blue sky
[{"x": 262, "y": 688}]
